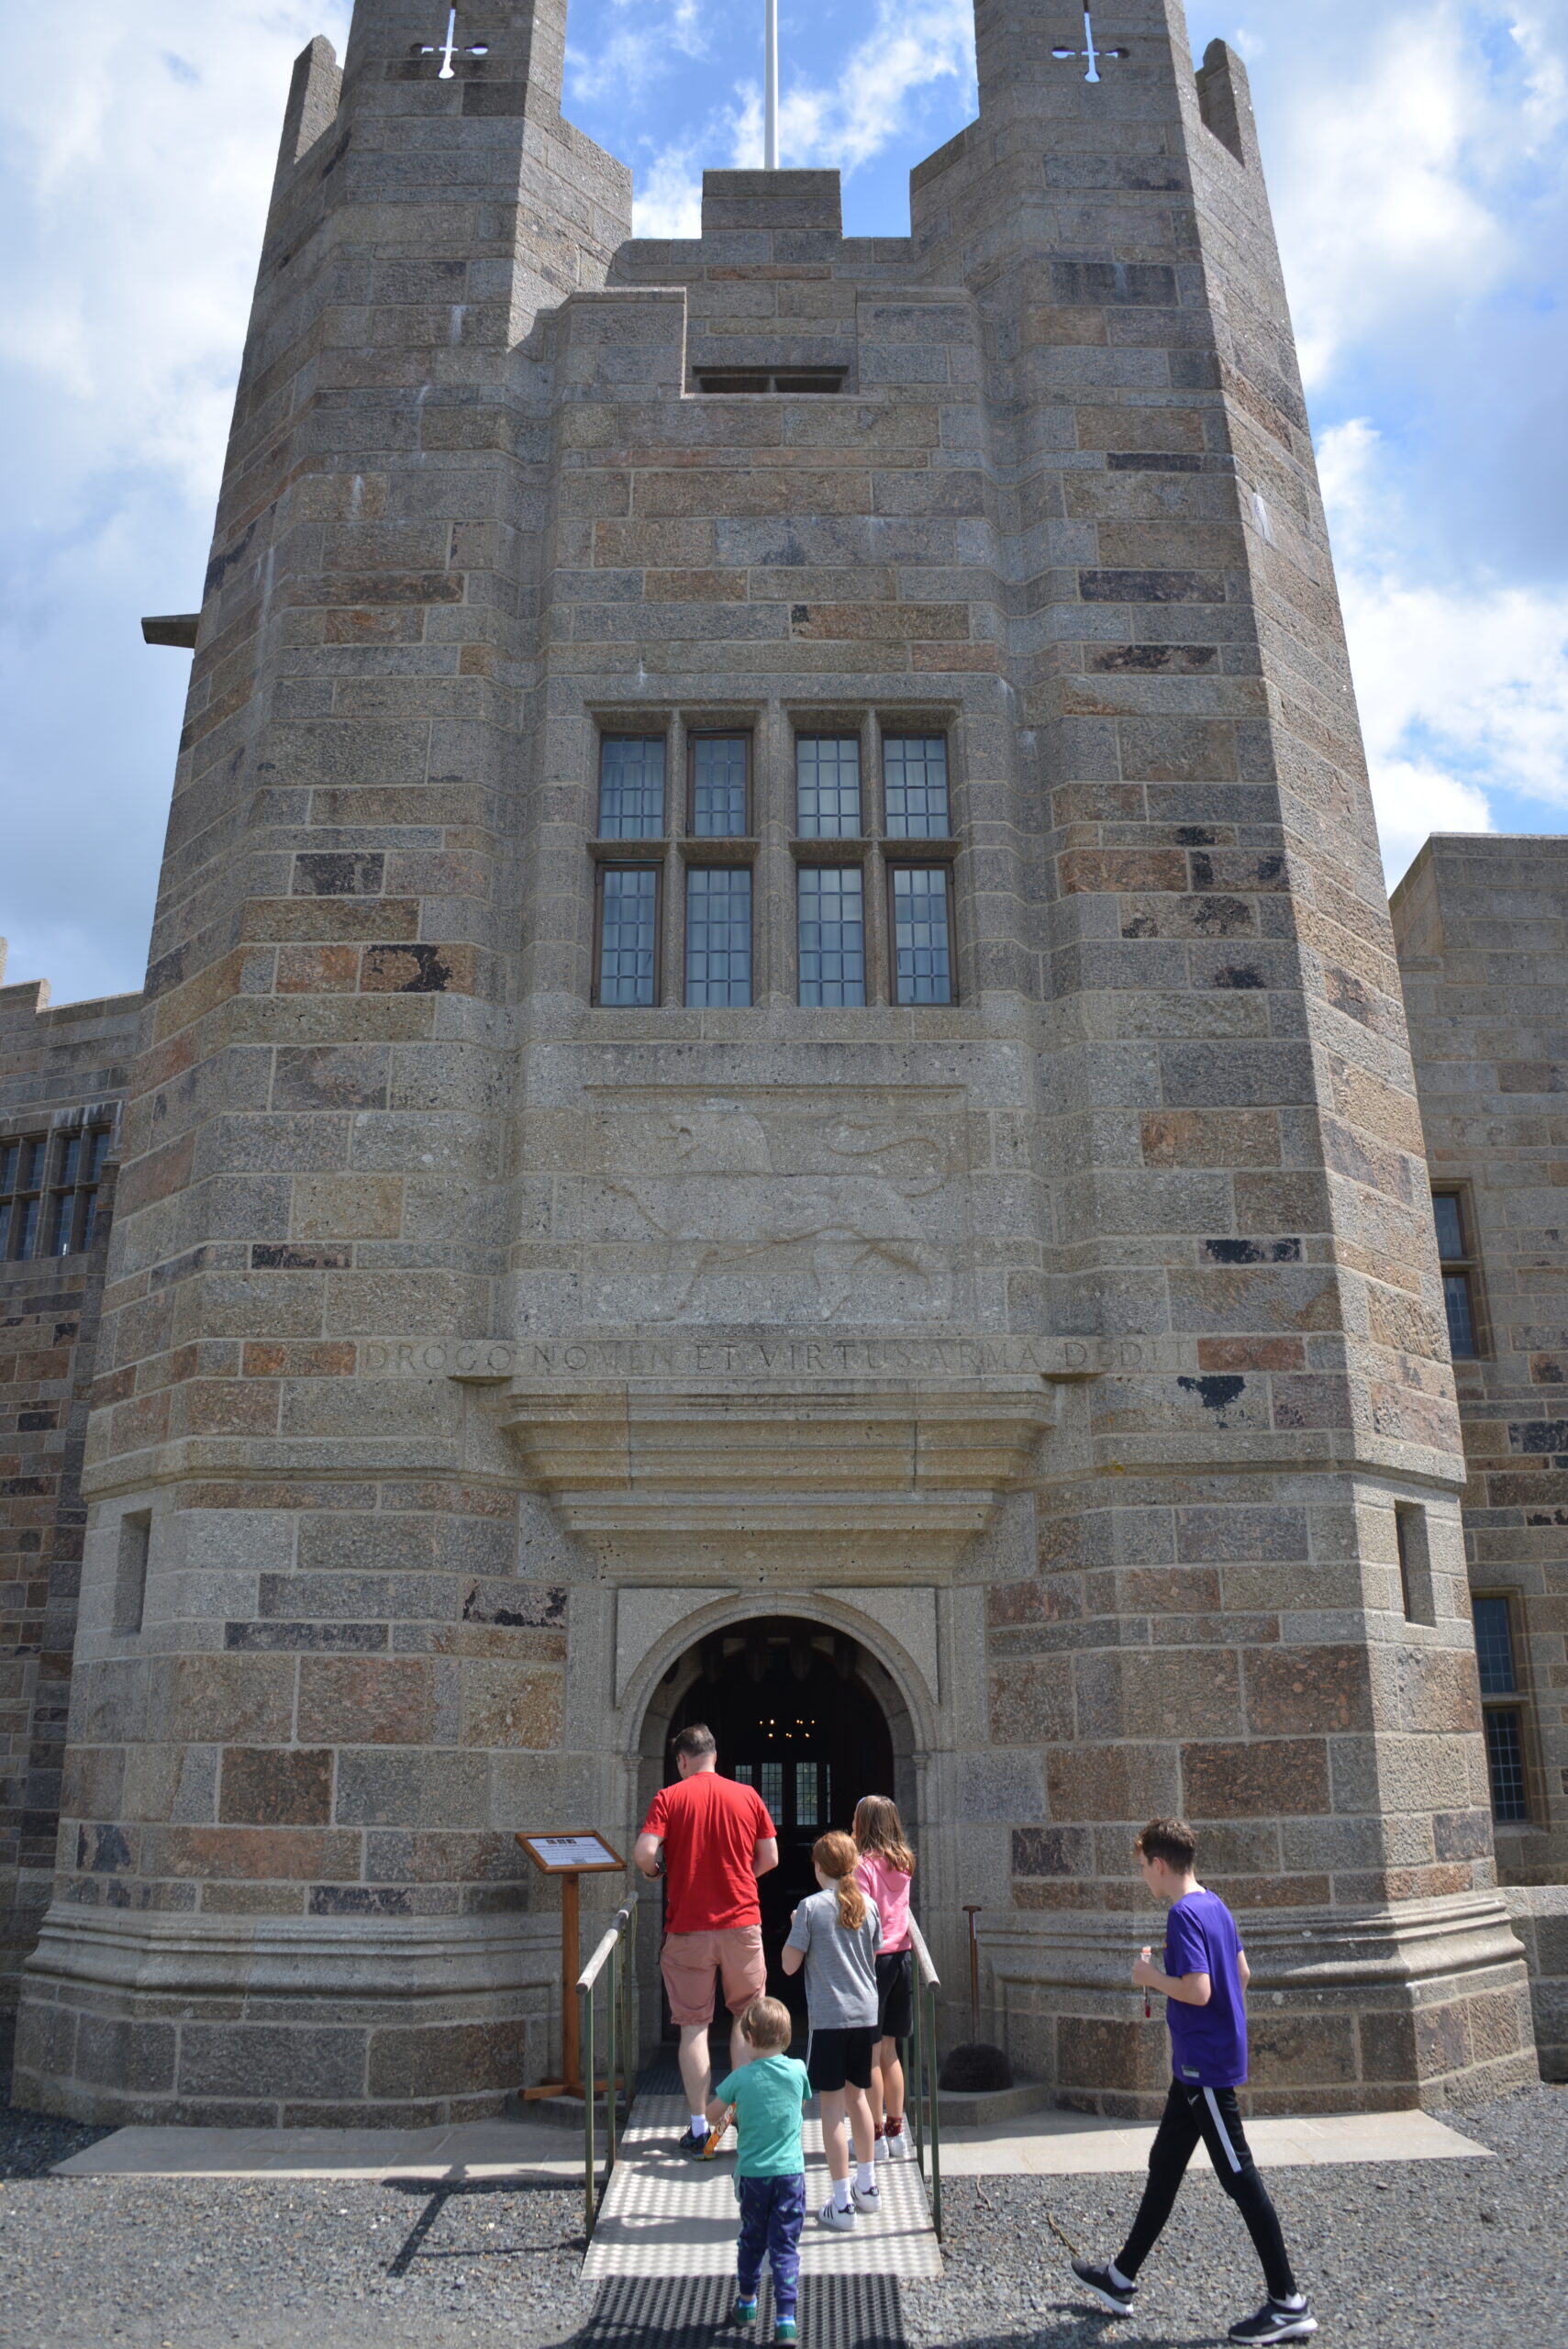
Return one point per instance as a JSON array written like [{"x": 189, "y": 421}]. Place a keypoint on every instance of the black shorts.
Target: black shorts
[
  {"x": 895, "y": 1994},
  {"x": 841, "y": 2058}
]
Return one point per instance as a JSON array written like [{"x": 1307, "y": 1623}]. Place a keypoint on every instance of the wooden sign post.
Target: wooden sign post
[{"x": 581, "y": 1853}]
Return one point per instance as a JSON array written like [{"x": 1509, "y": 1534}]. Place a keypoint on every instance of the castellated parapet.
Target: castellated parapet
[{"x": 771, "y": 999}]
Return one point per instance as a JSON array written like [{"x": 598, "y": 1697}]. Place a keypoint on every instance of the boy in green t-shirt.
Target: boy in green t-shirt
[{"x": 766, "y": 2096}]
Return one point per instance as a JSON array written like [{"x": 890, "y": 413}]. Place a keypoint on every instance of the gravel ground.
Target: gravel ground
[
  {"x": 128, "y": 2262},
  {"x": 1466, "y": 2252},
  {"x": 1469, "y": 2252}
]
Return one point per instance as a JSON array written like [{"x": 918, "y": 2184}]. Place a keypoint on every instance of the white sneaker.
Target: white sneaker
[
  {"x": 900, "y": 2148},
  {"x": 831, "y": 2215},
  {"x": 867, "y": 2197},
  {"x": 884, "y": 2150}
]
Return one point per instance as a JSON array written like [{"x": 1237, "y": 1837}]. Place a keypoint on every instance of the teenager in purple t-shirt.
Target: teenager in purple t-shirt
[{"x": 1204, "y": 1984}]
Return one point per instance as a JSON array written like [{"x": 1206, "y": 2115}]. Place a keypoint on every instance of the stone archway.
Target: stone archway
[{"x": 804, "y": 1710}]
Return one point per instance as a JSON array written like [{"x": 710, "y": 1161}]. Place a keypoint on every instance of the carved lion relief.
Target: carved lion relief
[{"x": 783, "y": 1206}]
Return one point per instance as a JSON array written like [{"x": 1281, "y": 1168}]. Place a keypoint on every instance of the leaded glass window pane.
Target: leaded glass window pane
[
  {"x": 827, "y": 787},
  {"x": 629, "y": 932},
  {"x": 1505, "y": 1764},
  {"x": 718, "y": 934},
  {"x": 743, "y": 1774},
  {"x": 719, "y": 787},
  {"x": 915, "y": 784},
  {"x": 1451, "y": 1232},
  {"x": 631, "y": 787},
  {"x": 806, "y": 1792},
  {"x": 771, "y": 1774},
  {"x": 922, "y": 959},
  {"x": 1493, "y": 1647},
  {"x": 832, "y": 935}
]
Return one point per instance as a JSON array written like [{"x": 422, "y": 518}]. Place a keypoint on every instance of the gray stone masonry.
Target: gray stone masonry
[
  {"x": 63, "y": 1071},
  {"x": 478, "y": 1354},
  {"x": 1483, "y": 930}
]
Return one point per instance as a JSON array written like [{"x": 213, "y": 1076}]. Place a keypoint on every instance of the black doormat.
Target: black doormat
[{"x": 693, "y": 2312}]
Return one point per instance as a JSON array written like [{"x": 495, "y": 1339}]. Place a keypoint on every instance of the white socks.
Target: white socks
[
  {"x": 842, "y": 2193},
  {"x": 1123, "y": 2283},
  {"x": 865, "y": 2176},
  {"x": 699, "y": 2124}
]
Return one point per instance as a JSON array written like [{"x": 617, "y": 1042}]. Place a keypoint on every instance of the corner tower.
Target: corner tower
[{"x": 773, "y": 1001}]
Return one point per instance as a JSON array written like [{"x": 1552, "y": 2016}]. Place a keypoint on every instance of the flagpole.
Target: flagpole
[{"x": 771, "y": 88}]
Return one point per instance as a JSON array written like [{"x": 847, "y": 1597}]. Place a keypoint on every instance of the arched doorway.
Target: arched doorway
[{"x": 801, "y": 1712}]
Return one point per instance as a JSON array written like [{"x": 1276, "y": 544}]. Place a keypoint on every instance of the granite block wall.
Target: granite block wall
[
  {"x": 62, "y": 1078},
  {"x": 1483, "y": 930}
]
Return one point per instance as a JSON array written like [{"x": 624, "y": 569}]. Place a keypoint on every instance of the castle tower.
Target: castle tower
[{"x": 773, "y": 1049}]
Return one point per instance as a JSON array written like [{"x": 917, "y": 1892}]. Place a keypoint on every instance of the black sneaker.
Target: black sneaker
[
  {"x": 1115, "y": 2299},
  {"x": 692, "y": 2142},
  {"x": 1275, "y": 2322}
]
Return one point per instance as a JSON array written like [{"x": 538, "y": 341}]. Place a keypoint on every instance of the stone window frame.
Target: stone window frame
[
  {"x": 50, "y": 1192},
  {"x": 770, "y": 846},
  {"x": 31, "y": 1160},
  {"x": 1517, "y": 1701},
  {"x": 1465, "y": 1267}
]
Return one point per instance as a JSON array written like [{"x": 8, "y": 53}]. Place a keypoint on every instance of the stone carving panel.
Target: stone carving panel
[{"x": 789, "y": 1206}]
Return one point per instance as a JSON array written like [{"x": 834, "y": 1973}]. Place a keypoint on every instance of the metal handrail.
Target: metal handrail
[
  {"x": 606, "y": 1952},
  {"x": 923, "y": 2065}
]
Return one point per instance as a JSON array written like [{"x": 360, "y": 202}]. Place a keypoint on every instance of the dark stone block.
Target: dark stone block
[
  {"x": 1052, "y": 1850},
  {"x": 1462, "y": 1835},
  {"x": 1151, "y": 587},
  {"x": 270, "y": 2060},
  {"x": 451, "y": 2059},
  {"x": 265, "y": 1787},
  {"x": 360, "y": 1900},
  {"x": 333, "y": 874},
  {"x": 132, "y": 2057},
  {"x": 344, "y": 1638}
]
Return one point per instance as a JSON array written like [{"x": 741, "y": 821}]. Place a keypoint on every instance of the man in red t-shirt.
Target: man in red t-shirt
[{"x": 715, "y": 1839}]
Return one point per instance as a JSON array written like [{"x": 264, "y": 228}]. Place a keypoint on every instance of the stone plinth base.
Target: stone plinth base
[
  {"x": 1539, "y": 1914},
  {"x": 283, "y": 2023},
  {"x": 1359, "y": 2011}
]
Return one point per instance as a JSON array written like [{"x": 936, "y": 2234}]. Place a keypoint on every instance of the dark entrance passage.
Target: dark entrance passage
[{"x": 795, "y": 1716}]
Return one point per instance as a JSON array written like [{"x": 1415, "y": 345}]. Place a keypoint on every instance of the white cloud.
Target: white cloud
[
  {"x": 668, "y": 198},
  {"x": 135, "y": 164},
  {"x": 1464, "y": 688},
  {"x": 639, "y": 53},
  {"x": 913, "y": 44},
  {"x": 1379, "y": 186}
]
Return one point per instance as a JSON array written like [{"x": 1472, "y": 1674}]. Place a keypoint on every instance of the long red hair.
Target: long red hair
[{"x": 837, "y": 1857}]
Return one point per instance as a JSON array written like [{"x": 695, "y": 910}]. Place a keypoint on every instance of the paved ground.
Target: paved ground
[{"x": 1463, "y": 2250}]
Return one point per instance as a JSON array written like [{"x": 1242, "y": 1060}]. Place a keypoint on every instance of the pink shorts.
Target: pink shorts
[{"x": 687, "y": 1962}]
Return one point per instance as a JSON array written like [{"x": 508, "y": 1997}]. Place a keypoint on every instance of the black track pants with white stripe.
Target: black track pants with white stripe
[{"x": 1210, "y": 2114}]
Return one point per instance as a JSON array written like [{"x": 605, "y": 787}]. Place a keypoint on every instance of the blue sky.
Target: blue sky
[{"x": 1418, "y": 157}]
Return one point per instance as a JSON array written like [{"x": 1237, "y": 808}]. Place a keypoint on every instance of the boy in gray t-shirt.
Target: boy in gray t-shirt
[{"x": 836, "y": 1935}]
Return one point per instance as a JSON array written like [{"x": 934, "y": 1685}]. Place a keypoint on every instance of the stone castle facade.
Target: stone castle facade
[{"x": 771, "y": 1017}]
